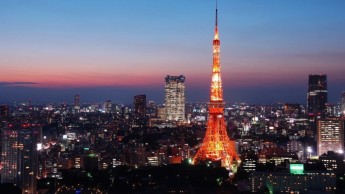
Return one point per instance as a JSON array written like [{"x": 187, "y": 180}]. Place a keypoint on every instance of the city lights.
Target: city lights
[{"x": 117, "y": 97}]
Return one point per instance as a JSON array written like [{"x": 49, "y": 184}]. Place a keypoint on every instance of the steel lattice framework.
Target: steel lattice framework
[{"x": 216, "y": 144}]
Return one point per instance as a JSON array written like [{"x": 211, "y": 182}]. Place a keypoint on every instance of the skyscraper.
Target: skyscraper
[
  {"x": 317, "y": 94},
  {"x": 152, "y": 109},
  {"x": 216, "y": 145},
  {"x": 108, "y": 106},
  {"x": 140, "y": 105},
  {"x": 140, "y": 109},
  {"x": 19, "y": 158},
  {"x": 9, "y": 156},
  {"x": 76, "y": 104},
  {"x": 330, "y": 135},
  {"x": 175, "y": 98}
]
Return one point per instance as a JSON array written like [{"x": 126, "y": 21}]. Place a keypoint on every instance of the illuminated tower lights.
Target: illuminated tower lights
[{"x": 216, "y": 145}]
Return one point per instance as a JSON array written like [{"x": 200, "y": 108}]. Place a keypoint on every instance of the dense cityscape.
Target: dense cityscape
[
  {"x": 107, "y": 147},
  {"x": 175, "y": 146}
]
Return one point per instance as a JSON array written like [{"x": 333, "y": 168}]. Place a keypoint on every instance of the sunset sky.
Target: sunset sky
[{"x": 115, "y": 49}]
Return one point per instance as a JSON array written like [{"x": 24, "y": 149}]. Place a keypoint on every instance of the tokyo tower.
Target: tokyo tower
[{"x": 216, "y": 145}]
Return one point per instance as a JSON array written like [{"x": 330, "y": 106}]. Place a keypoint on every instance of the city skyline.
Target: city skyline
[{"x": 51, "y": 51}]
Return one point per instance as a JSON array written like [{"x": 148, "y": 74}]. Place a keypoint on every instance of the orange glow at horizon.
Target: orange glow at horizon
[{"x": 60, "y": 80}]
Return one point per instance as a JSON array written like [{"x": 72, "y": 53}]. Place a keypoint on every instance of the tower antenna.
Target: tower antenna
[{"x": 216, "y": 12}]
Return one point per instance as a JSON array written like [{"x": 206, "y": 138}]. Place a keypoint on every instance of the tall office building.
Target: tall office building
[
  {"x": 175, "y": 98},
  {"x": 152, "y": 109},
  {"x": 9, "y": 156},
  {"x": 317, "y": 94},
  {"x": 76, "y": 107},
  {"x": 330, "y": 135},
  {"x": 140, "y": 105},
  {"x": 108, "y": 106},
  {"x": 19, "y": 158},
  {"x": 140, "y": 109}
]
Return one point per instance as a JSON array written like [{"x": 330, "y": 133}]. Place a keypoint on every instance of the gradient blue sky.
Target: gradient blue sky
[{"x": 115, "y": 49}]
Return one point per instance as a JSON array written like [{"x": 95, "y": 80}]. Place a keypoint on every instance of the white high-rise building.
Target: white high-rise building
[
  {"x": 175, "y": 98},
  {"x": 330, "y": 135}
]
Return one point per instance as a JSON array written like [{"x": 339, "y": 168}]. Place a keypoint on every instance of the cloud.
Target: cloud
[{"x": 16, "y": 83}]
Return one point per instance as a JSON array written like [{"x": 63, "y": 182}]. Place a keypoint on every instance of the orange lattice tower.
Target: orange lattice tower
[{"x": 217, "y": 145}]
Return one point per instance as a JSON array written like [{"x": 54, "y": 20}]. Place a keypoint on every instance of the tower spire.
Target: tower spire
[
  {"x": 216, "y": 26},
  {"x": 216, "y": 13},
  {"x": 216, "y": 83}
]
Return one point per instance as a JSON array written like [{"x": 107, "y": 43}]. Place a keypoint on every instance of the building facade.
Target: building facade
[
  {"x": 140, "y": 110},
  {"x": 285, "y": 182},
  {"x": 9, "y": 156},
  {"x": 108, "y": 106},
  {"x": 19, "y": 158},
  {"x": 330, "y": 135},
  {"x": 333, "y": 161},
  {"x": 140, "y": 105},
  {"x": 76, "y": 107},
  {"x": 175, "y": 98},
  {"x": 317, "y": 94}
]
